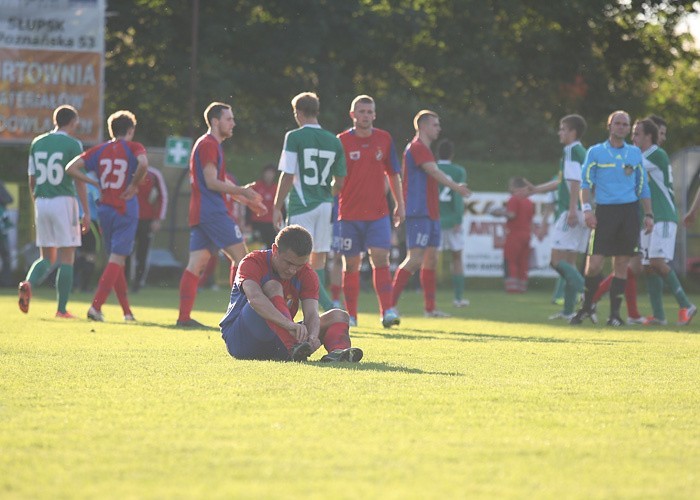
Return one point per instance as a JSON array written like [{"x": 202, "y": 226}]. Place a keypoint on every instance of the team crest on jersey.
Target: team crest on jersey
[
  {"x": 379, "y": 155},
  {"x": 354, "y": 155}
]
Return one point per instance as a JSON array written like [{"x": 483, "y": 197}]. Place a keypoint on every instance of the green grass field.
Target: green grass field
[{"x": 495, "y": 402}]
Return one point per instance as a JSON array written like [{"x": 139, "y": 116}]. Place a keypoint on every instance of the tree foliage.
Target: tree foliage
[{"x": 500, "y": 72}]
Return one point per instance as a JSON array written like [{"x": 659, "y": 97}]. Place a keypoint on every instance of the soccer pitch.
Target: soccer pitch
[{"x": 495, "y": 402}]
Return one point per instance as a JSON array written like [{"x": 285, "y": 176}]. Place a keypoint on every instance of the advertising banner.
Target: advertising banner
[{"x": 51, "y": 53}]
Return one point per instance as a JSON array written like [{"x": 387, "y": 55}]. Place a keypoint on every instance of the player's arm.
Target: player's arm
[
  {"x": 692, "y": 211},
  {"x": 309, "y": 307},
  {"x": 397, "y": 193},
  {"x": 133, "y": 188},
  {"x": 75, "y": 169},
  {"x": 284, "y": 185},
  {"x": 433, "y": 171},
  {"x": 245, "y": 194},
  {"x": 588, "y": 176},
  {"x": 262, "y": 305},
  {"x": 337, "y": 184},
  {"x": 545, "y": 187}
]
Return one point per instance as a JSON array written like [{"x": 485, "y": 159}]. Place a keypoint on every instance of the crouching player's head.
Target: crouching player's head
[{"x": 291, "y": 250}]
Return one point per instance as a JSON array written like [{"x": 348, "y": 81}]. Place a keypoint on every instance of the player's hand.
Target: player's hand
[
  {"x": 85, "y": 224},
  {"x": 399, "y": 216},
  {"x": 648, "y": 225},
  {"x": 572, "y": 218},
  {"x": 129, "y": 192},
  {"x": 299, "y": 331},
  {"x": 155, "y": 225},
  {"x": 689, "y": 219},
  {"x": 315, "y": 343},
  {"x": 463, "y": 190},
  {"x": 591, "y": 221},
  {"x": 277, "y": 219}
]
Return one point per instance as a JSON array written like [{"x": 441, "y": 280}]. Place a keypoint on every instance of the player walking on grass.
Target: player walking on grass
[
  {"x": 570, "y": 233},
  {"x": 211, "y": 228},
  {"x": 363, "y": 212},
  {"x": 119, "y": 164},
  {"x": 268, "y": 289},
  {"x": 58, "y": 226},
  {"x": 451, "y": 216},
  {"x": 313, "y": 162},
  {"x": 658, "y": 246},
  {"x": 421, "y": 176},
  {"x": 614, "y": 168}
]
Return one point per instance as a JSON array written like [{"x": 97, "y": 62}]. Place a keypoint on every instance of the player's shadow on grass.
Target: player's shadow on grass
[
  {"x": 380, "y": 367},
  {"x": 416, "y": 334}
]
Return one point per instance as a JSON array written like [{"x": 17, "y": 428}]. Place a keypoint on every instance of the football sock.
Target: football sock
[
  {"x": 323, "y": 297},
  {"x": 64, "y": 284},
  {"x": 591, "y": 285},
  {"x": 208, "y": 270},
  {"x": 287, "y": 338},
  {"x": 381, "y": 277},
  {"x": 655, "y": 287},
  {"x": 351, "y": 289},
  {"x": 120, "y": 291},
  {"x": 571, "y": 275},
  {"x": 671, "y": 280},
  {"x": 458, "y": 286},
  {"x": 336, "y": 290},
  {"x": 559, "y": 287},
  {"x": 617, "y": 290},
  {"x": 336, "y": 337},
  {"x": 602, "y": 288},
  {"x": 427, "y": 282},
  {"x": 570, "y": 296},
  {"x": 401, "y": 277},
  {"x": 232, "y": 274},
  {"x": 631, "y": 295},
  {"x": 188, "y": 294},
  {"x": 37, "y": 273},
  {"x": 105, "y": 285}
]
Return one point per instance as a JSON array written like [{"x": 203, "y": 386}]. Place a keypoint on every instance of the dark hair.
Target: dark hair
[
  {"x": 120, "y": 122},
  {"x": 63, "y": 115},
  {"x": 307, "y": 103},
  {"x": 294, "y": 238},
  {"x": 445, "y": 149},
  {"x": 649, "y": 128},
  {"x": 214, "y": 111},
  {"x": 517, "y": 182},
  {"x": 268, "y": 167},
  {"x": 575, "y": 122},
  {"x": 658, "y": 121}
]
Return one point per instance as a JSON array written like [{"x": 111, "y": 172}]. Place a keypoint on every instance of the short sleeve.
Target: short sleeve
[
  {"x": 208, "y": 153},
  {"x": 289, "y": 158},
  {"x": 138, "y": 149},
  {"x": 421, "y": 154},
  {"x": 339, "y": 168},
  {"x": 393, "y": 165},
  {"x": 251, "y": 268},
  {"x": 572, "y": 170}
]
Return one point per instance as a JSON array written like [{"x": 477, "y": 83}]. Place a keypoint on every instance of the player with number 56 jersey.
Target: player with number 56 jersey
[{"x": 119, "y": 164}]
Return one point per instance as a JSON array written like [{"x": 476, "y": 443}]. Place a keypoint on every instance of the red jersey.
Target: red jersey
[
  {"x": 368, "y": 160},
  {"x": 268, "y": 194},
  {"x": 204, "y": 201},
  {"x": 420, "y": 190},
  {"x": 115, "y": 162},
  {"x": 524, "y": 210},
  {"x": 153, "y": 196}
]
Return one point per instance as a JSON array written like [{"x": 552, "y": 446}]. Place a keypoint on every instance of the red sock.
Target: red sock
[
  {"x": 427, "y": 281},
  {"x": 232, "y": 274},
  {"x": 335, "y": 292},
  {"x": 351, "y": 289},
  {"x": 603, "y": 288},
  {"x": 104, "y": 287},
  {"x": 208, "y": 271},
  {"x": 188, "y": 294},
  {"x": 382, "y": 286},
  {"x": 401, "y": 277},
  {"x": 336, "y": 337},
  {"x": 287, "y": 338},
  {"x": 120, "y": 292},
  {"x": 631, "y": 295}
]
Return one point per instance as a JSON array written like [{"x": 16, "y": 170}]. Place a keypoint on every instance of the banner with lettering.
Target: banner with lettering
[
  {"x": 51, "y": 53},
  {"x": 485, "y": 235}
]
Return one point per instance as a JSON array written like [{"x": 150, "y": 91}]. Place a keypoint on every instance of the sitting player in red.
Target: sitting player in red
[{"x": 269, "y": 285}]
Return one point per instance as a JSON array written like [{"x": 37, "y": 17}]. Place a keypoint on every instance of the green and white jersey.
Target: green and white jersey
[
  {"x": 569, "y": 170},
  {"x": 314, "y": 156},
  {"x": 451, "y": 203},
  {"x": 48, "y": 156},
  {"x": 658, "y": 168}
]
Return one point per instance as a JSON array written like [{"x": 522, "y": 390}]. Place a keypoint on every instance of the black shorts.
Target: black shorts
[
  {"x": 617, "y": 232},
  {"x": 89, "y": 239}
]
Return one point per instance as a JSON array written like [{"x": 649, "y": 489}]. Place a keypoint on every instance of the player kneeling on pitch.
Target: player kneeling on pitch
[{"x": 269, "y": 284}]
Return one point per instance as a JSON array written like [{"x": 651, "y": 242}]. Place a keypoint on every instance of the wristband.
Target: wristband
[{"x": 586, "y": 207}]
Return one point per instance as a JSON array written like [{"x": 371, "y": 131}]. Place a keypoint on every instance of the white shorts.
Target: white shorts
[
  {"x": 451, "y": 239},
  {"x": 318, "y": 222},
  {"x": 571, "y": 239},
  {"x": 57, "y": 222},
  {"x": 660, "y": 243}
]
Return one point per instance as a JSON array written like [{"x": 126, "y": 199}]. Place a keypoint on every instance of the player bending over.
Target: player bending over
[{"x": 269, "y": 285}]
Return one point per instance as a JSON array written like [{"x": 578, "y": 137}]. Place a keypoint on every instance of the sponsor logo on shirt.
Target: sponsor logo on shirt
[
  {"x": 354, "y": 155},
  {"x": 379, "y": 155}
]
